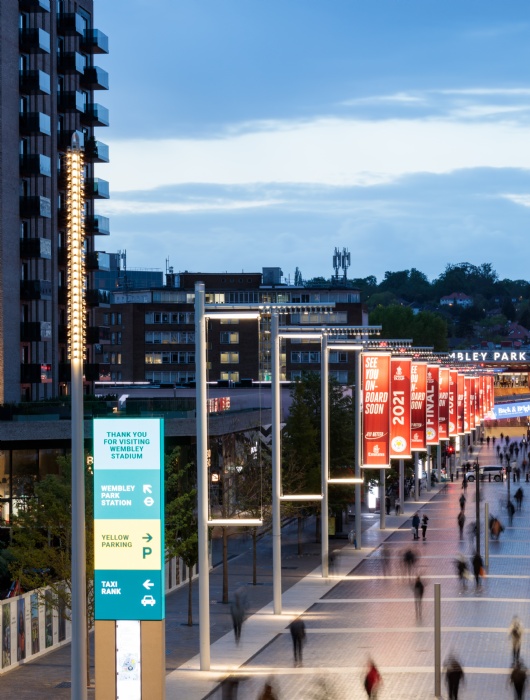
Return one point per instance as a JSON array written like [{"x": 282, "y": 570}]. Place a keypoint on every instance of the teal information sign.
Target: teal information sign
[{"x": 129, "y": 519}]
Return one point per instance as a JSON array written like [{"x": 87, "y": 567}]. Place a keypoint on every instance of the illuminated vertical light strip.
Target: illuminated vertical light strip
[{"x": 75, "y": 202}]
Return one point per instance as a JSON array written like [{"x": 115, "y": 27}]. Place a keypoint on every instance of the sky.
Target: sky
[{"x": 267, "y": 133}]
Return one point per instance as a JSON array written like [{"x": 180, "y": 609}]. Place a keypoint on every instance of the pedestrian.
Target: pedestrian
[
  {"x": 511, "y": 510},
  {"x": 516, "y": 634},
  {"x": 424, "y": 522},
  {"x": 493, "y": 439},
  {"x": 409, "y": 561},
  {"x": 372, "y": 680},
  {"x": 488, "y": 440},
  {"x": 416, "y": 525},
  {"x": 462, "y": 501},
  {"x": 397, "y": 506},
  {"x": 518, "y": 679},
  {"x": 461, "y": 521},
  {"x": 519, "y": 495},
  {"x": 419, "y": 589},
  {"x": 464, "y": 483},
  {"x": 332, "y": 558},
  {"x": 462, "y": 571},
  {"x": 387, "y": 504},
  {"x": 454, "y": 673},
  {"x": 478, "y": 569},
  {"x": 268, "y": 692},
  {"x": 229, "y": 689},
  {"x": 237, "y": 611},
  {"x": 297, "y": 628}
]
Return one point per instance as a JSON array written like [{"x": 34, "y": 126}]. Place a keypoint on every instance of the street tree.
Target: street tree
[{"x": 181, "y": 527}]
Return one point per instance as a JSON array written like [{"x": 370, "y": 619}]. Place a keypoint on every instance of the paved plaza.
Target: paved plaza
[{"x": 366, "y": 609}]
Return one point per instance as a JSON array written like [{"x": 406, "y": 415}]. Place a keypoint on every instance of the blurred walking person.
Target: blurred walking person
[
  {"x": 372, "y": 680},
  {"x": 462, "y": 501},
  {"x": 478, "y": 569},
  {"x": 454, "y": 674},
  {"x": 462, "y": 571},
  {"x": 516, "y": 635},
  {"x": 424, "y": 522},
  {"x": 297, "y": 628},
  {"x": 237, "y": 610},
  {"x": 268, "y": 692},
  {"x": 461, "y": 519},
  {"x": 419, "y": 589},
  {"x": 518, "y": 680}
]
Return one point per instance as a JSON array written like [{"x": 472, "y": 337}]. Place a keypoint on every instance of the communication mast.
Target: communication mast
[{"x": 341, "y": 261}]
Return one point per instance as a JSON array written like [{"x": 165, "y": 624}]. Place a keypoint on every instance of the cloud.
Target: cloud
[
  {"x": 325, "y": 151},
  {"x": 521, "y": 199},
  {"x": 143, "y": 207},
  {"x": 398, "y": 97}
]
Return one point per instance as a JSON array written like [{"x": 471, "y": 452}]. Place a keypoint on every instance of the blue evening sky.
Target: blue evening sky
[{"x": 259, "y": 133}]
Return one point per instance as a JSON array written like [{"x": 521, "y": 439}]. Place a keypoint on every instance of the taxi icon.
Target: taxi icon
[{"x": 148, "y": 600}]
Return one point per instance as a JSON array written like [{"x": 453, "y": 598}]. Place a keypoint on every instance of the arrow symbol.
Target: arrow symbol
[
  {"x": 148, "y": 537},
  {"x": 148, "y": 488},
  {"x": 148, "y": 584}
]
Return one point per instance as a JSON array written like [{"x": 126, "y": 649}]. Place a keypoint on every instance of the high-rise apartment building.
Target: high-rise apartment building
[{"x": 48, "y": 87}]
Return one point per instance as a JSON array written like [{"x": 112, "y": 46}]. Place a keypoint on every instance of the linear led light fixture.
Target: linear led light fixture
[
  {"x": 336, "y": 330},
  {"x": 221, "y": 314},
  {"x": 347, "y": 480},
  {"x": 230, "y": 522},
  {"x": 302, "y": 497}
]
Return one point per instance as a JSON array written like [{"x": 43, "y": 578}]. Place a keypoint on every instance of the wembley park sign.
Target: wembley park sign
[{"x": 490, "y": 356}]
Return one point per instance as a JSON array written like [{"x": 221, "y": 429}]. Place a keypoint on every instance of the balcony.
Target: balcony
[
  {"x": 95, "y": 41},
  {"x": 96, "y": 151},
  {"x": 64, "y": 139},
  {"x": 35, "y": 290},
  {"x": 35, "y": 332},
  {"x": 97, "y": 260},
  {"x": 34, "y": 82},
  {"x": 98, "y": 335},
  {"x": 35, "y": 124},
  {"x": 35, "y": 248},
  {"x": 95, "y": 115},
  {"x": 31, "y": 207},
  {"x": 97, "y": 225},
  {"x": 34, "y": 41},
  {"x": 70, "y": 24},
  {"x": 33, "y": 373},
  {"x": 97, "y": 297},
  {"x": 71, "y": 63},
  {"x": 95, "y": 78},
  {"x": 35, "y": 164},
  {"x": 73, "y": 101},
  {"x": 96, "y": 188},
  {"x": 34, "y": 5}
]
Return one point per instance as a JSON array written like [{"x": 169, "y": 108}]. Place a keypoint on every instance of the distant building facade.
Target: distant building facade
[
  {"x": 456, "y": 299},
  {"x": 152, "y": 331}
]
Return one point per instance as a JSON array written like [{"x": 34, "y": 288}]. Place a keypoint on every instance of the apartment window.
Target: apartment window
[
  {"x": 118, "y": 338},
  {"x": 229, "y": 358},
  {"x": 229, "y": 337},
  {"x": 340, "y": 375},
  {"x": 229, "y": 321},
  {"x": 229, "y": 376},
  {"x": 106, "y": 319},
  {"x": 336, "y": 356},
  {"x": 306, "y": 357},
  {"x": 118, "y": 319},
  {"x": 176, "y": 337}
]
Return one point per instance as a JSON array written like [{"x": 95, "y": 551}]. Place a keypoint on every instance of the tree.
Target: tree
[
  {"x": 424, "y": 329},
  {"x": 42, "y": 541},
  {"x": 181, "y": 530}
]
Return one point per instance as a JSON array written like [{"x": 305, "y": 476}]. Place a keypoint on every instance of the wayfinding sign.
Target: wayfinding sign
[{"x": 128, "y": 519}]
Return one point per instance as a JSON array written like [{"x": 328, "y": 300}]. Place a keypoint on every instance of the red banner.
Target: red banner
[
  {"x": 467, "y": 404},
  {"x": 400, "y": 408},
  {"x": 376, "y": 409},
  {"x": 432, "y": 410},
  {"x": 460, "y": 405},
  {"x": 418, "y": 394},
  {"x": 453, "y": 403},
  {"x": 472, "y": 403},
  {"x": 443, "y": 404}
]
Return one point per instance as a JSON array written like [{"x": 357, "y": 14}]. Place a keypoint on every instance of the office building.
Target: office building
[{"x": 48, "y": 86}]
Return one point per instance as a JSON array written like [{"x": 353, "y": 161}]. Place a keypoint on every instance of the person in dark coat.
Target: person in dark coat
[
  {"x": 297, "y": 628},
  {"x": 418, "y": 596},
  {"x": 461, "y": 522},
  {"x": 424, "y": 522},
  {"x": 478, "y": 569},
  {"x": 454, "y": 674},
  {"x": 416, "y": 525},
  {"x": 518, "y": 679},
  {"x": 237, "y": 611}
]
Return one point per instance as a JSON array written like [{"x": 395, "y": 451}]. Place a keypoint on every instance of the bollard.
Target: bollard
[{"x": 489, "y": 477}]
